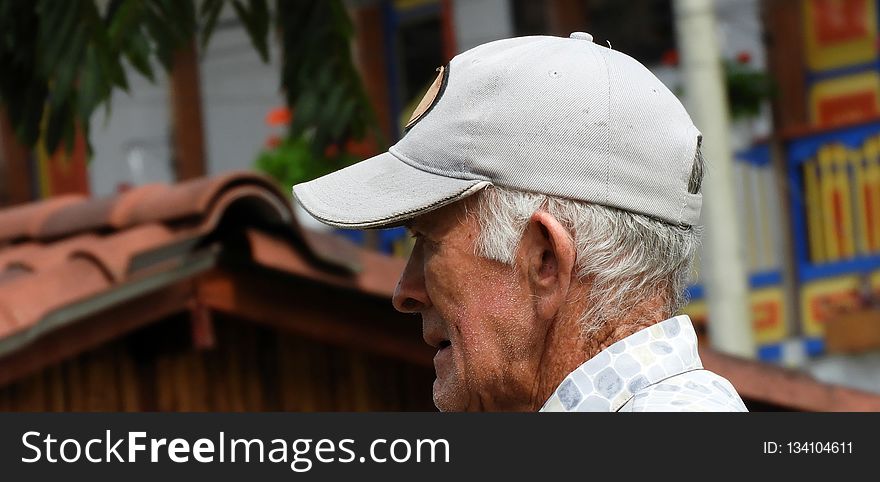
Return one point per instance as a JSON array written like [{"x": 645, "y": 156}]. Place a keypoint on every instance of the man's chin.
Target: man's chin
[{"x": 448, "y": 397}]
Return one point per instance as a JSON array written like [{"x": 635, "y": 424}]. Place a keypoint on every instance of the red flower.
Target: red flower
[
  {"x": 279, "y": 116},
  {"x": 743, "y": 57}
]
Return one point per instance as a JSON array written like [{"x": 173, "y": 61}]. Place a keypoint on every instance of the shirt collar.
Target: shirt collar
[{"x": 607, "y": 381}]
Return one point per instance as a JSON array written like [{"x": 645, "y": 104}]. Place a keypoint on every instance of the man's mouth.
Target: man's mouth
[
  {"x": 435, "y": 335},
  {"x": 443, "y": 357}
]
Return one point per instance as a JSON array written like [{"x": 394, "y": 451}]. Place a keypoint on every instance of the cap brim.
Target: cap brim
[{"x": 382, "y": 191}]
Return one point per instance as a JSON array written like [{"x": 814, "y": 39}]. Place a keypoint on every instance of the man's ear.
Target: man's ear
[{"x": 550, "y": 258}]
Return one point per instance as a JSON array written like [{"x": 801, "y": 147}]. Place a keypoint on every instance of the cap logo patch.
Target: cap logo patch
[{"x": 431, "y": 97}]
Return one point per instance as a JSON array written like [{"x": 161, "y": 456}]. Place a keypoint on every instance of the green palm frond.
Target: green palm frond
[{"x": 63, "y": 60}]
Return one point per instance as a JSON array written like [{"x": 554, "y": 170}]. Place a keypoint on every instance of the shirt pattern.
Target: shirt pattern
[{"x": 656, "y": 369}]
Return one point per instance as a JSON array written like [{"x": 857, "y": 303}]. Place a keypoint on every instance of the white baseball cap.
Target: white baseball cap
[{"x": 560, "y": 116}]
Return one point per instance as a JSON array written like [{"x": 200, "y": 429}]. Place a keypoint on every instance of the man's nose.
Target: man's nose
[{"x": 411, "y": 296}]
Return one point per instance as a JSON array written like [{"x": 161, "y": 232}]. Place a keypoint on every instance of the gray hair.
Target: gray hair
[{"x": 629, "y": 258}]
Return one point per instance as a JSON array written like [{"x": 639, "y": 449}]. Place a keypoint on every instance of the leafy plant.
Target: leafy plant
[
  {"x": 747, "y": 89},
  {"x": 320, "y": 81},
  {"x": 62, "y": 60},
  {"x": 295, "y": 161}
]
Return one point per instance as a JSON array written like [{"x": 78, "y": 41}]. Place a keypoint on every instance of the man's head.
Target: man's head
[
  {"x": 553, "y": 186},
  {"x": 517, "y": 289}
]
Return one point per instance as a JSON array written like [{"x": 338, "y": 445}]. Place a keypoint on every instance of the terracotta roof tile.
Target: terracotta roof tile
[
  {"x": 8, "y": 322},
  {"x": 378, "y": 274},
  {"x": 122, "y": 215},
  {"x": 14, "y": 256},
  {"x": 59, "y": 252},
  {"x": 111, "y": 213},
  {"x": 12, "y": 274},
  {"x": 265, "y": 203},
  {"x": 193, "y": 198},
  {"x": 65, "y": 216},
  {"x": 114, "y": 253},
  {"x": 34, "y": 256},
  {"x": 27, "y": 300},
  {"x": 336, "y": 249},
  {"x": 73, "y": 218},
  {"x": 24, "y": 221}
]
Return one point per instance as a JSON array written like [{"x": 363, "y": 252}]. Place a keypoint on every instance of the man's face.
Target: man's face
[{"x": 478, "y": 313}]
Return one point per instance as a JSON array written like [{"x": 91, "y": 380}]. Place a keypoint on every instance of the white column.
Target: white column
[
  {"x": 479, "y": 21},
  {"x": 723, "y": 272}
]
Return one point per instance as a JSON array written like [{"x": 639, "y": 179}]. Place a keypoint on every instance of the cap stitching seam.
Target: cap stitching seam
[
  {"x": 608, "y": 128},
  {"x": 466, "y": 176}
]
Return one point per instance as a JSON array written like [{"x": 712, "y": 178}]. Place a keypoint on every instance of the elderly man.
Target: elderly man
[{"x": 553, "y": 188}]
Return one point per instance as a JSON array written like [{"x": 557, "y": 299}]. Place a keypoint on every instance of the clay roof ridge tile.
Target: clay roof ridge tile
[
  {"x": 26, "y": 221},
  {"x": 34, "y": 256},
  {"x": 8, "y": 322},
  {"x": 189, "y": 199},
  {"x": 87, "y": 216},
  {"x": 215, "y": 189},
  {"x": 230, "y": 196},
  {"x": 114, "y": 253},
  {"x": 121, "y": 214}
]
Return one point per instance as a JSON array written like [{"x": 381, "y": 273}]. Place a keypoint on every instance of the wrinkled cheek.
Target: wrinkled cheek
[
  {"x": 487, "y": 318},
  {"x": 507, "y": 325},
  {"x": 487, "y": 297}
]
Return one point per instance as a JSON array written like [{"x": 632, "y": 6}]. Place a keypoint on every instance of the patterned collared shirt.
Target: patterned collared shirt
[{"x": 656, "y": 369}]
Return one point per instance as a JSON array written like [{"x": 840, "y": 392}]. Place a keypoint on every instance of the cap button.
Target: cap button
[{"x": 581, "y": 36}]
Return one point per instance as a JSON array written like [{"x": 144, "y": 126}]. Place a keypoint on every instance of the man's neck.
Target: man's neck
[{"x": 568, "y": 348}]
